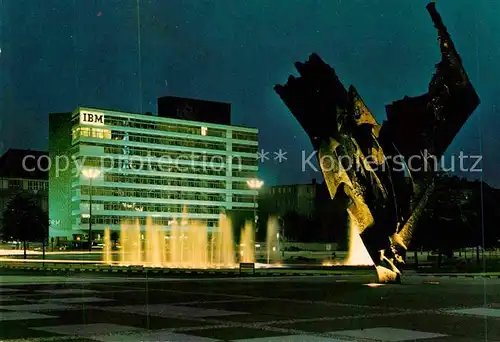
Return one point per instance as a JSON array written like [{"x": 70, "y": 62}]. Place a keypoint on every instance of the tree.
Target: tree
[
  {"x": 24, "y": 220},
  {"x": 460, "y": 213}
]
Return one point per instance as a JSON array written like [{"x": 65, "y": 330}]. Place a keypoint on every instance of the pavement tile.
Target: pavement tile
[
  {"x": 37, "y": 307},
  {"x": 165, "y": 310},
  {"x": 388, "y": 334},
  {"x": 286, "y": 309},
  {"x": 66, "y": 291},
  {"x": 291, "y": 338},
  {"x": 77, "y": 300},
  {"x": 21, "y": 328},
  {"x": 7, "y": 298},
  {"x": 8, "y": 290},
  {"x": 95, "y": 315},
  {"x": 87, "y": 330},
  {"x": 158, "y": 297},
  {"x": 17, "y": 315},
  {"x": 13, "y": 329},
  {"x": 152, "y": 336},
  {"x": 236, "y": 333},
  {"x": 253, "y": 318},
  {"x": 12, "y": 300},
  {"x": 482, "y": 312},
  {"x": 452, "y": 325}
]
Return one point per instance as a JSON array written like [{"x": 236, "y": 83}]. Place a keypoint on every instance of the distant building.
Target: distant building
[
  {"x": 23, "y": 171},
  {"x": 306, "y": 212},
  {"x": 154, "y": 166},
  {"x": 299, "y": 198}
]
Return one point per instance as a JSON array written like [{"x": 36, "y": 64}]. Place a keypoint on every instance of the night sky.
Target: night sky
[{"x": 56, "y": 55}]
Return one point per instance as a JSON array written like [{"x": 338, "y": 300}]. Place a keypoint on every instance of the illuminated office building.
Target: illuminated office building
[{"x": 149, "y": 166}]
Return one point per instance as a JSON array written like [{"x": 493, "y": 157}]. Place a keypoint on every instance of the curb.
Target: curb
[
  {"x": 459, "y": 276},
  {"x": 171, "y": 272}
]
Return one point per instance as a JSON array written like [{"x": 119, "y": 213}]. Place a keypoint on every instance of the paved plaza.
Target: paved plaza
[{"x": 322, "y": 308}]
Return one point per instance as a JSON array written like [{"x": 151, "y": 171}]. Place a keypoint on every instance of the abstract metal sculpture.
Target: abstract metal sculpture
[{"x": 385, "y": 171}]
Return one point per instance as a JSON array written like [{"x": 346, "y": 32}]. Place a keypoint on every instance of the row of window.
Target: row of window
[
  {"x": 116, "y": 178},
  {"x": 280, "y": 190},
  {"x": 244, "y": 174},
  {"x": 33, "y": 185},
  {"x": 240, "y": 185},
  {"x": 171, "y": 127},
  {"x": 173, "y": 156},
  {"x": 283, "y": 190},
  {"x": 245, "y": 136},
  {"x": 146, "y": 152},
  {"x": 136, "y": 164},
  {"x": 152, "y": 193},
  {"x": 184, "y": 182},
  {"x": 150, "y": 207},
  {"x": 15, "y": 184},
  {"x": 160, "y": 221},
  {"x": 178, "y": 128},
  {"x": 38, "y": 185},
  {"x": 170, "y": 141},
  {"x": 243, "y": 198},
  {"x": 244, "y": 148},
  {"x": 101, "y": 133}
]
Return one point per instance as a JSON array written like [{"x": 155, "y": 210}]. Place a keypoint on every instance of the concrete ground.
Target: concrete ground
[{"x": 84, "y": 307}]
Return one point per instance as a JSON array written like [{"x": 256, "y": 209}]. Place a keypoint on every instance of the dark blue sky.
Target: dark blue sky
[{"x": 56, "y": 55}]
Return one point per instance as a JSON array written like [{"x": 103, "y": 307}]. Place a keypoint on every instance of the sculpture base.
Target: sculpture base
[{"x": 388, "y": 276}]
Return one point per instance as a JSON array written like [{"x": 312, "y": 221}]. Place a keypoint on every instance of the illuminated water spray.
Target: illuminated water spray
[
  {"x": 272, "y": 241},
  {"x": 188, "y": 244},
  {"x": 107, "y": 258},
  {"x": 358, "y": 255},
  {"x": 247, "y": 243}
]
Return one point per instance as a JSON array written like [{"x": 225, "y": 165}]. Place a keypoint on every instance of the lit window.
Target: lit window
[
  {"x": 15, "y": 184},
  {"x": 85, "y": 131},
  {"x": 204, "y": 130},
  {"x": 95, "y": 133}
]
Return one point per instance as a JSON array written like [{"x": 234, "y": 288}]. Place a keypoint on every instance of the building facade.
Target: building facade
[
  {"x": 306, "y": 212},
  {"x": 299, "y": 198},
  {"x": 23, "y": 171},
  {"x": 147, "y": 166}
]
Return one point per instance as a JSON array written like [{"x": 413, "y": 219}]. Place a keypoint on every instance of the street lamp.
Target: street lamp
[
  {"x": 90, "y": 173},
  {"x": 255, "y": 184}
]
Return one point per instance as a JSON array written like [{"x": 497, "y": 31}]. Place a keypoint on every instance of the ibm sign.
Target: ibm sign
[{"x": 92, "y": 118}]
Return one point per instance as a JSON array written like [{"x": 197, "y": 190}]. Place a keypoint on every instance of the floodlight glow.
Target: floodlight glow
[
  {"x": 255, "y": 183},
  {"x": 91, "y": 173},
  {"x": 374, "y": 284}
]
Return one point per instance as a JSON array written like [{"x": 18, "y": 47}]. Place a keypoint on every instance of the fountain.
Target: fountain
[
  {"x": 357, "y": 255},
  {"x": 188, "y": 244},
  {"x": 247, "y": 243},
  {"x": 224, "y": 244},
  {"x": 107, "y": 247},
  {"x": 154, "y": 245},
  {"x": 272, "y": 241}
]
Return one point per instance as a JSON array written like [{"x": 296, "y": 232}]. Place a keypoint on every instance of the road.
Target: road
[{"x": 85, "y": 307}]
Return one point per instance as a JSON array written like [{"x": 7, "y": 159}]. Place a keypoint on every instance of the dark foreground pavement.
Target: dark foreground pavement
[{"x": 324, "y": 308}]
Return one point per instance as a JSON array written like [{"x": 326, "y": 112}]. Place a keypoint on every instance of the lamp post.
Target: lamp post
[
  {"x": 90, "y": 173},
  {"x": 255, "y": 184}
]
